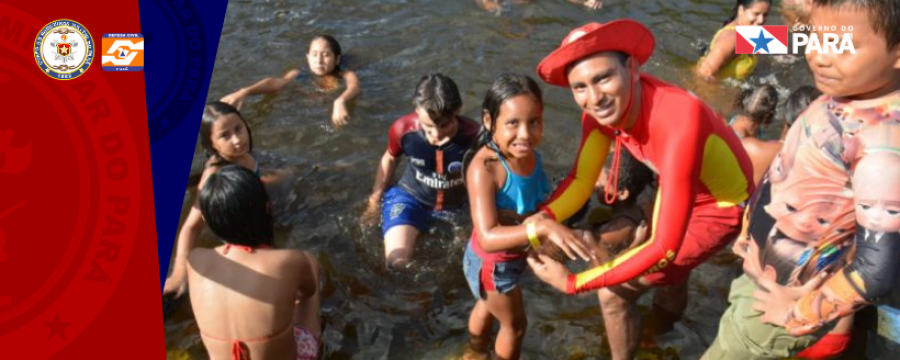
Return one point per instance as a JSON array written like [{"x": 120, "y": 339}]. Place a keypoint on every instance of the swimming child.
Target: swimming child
[
  {"x": 434, "y": 139},
  {"x": 763, "y": 152},
  {"x": 795, "y": 12},
  {"x": 755, "y": 109},
  {"x": 226, "y": 139},
  {"x": 833, "y": 183},
  {"x": 324, "y": 59},
  {"x": 251, "y": 301},
  {"x": 506, "y": 182},
  {"x": 721, "y": 61}
]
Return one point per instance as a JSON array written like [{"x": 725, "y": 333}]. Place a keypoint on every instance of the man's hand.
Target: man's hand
[{"x": 549, "y": 271}]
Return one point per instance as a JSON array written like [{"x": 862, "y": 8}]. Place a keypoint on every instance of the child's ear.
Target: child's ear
[
  {"x": 486, "y": 120},
  {"x": 624, "y": 194}
]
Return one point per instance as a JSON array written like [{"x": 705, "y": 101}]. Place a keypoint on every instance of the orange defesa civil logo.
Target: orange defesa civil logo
[{"x": 123, "y": 52}]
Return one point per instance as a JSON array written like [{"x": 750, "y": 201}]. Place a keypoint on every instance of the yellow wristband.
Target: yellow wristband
[{"x": 531, "y": 228}]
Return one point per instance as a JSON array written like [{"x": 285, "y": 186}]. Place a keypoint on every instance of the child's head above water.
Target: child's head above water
[
  {"x": 324, "y": 55},
  {"x": 875, "y": 68},
  {"x": 512, "y": 114},
  {"x": 437, "y": 103},
  {"x": 797, "y": 102},
  {"x": 758, "y": 104},
  {"x": 224, "y": 134},
  {"x": 750, "y": 12},
  {"x": 634, "y": 176},
  {"x": 235, "y": 206}
]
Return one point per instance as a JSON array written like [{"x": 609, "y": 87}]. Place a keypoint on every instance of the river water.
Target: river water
[{"x": 375, "y": 313}]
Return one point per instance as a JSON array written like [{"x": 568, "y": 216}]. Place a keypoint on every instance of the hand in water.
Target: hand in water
[
  {"x": 549, "y": 271},
  {"x": 340, "y": 116},
  {"x": 235, "y": 99},
  {"x": 372, "y": 214},
  {"x": 593, "y": 4},
  {"x": 776, "y": 301}
]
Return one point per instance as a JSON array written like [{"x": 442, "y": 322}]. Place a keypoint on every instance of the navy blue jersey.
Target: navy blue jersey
[{"x": 433, "y": 174}]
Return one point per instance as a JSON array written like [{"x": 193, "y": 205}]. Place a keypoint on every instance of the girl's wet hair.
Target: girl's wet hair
[
  {"x": 211, "y": 113},
  {"x": 335, "y": 48},
  {"x": 438, "y": 95},
  {"x": 745, "y": 4},
  {"x": 633, "y": 175},
  {"x": 884, "y": 16},
  {"x": 505, "y": 87},
  {"x": 758, "y": 103},
  {"x": 235, "y": 206},
  {"x": 797, "y": 102}
]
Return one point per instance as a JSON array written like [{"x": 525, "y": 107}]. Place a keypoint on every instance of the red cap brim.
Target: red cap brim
[{"x": 627, "y": 36}]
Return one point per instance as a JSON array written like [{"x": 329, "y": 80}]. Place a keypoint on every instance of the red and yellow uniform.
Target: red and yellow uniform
[{"x": 704, "y": 179}]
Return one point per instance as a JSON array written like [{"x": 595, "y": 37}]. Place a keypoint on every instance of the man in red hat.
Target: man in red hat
[{"x": 705, "y": 176}]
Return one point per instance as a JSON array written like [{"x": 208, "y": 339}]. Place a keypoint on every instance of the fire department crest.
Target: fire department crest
[{"x": 64, "y": 49}]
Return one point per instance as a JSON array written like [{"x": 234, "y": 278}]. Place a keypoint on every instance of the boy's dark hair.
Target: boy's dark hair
[
  {"x": 745, "y": 4},
  {"x": 211, "y": 113},
  {"x": 235, "y": 206},
  {"x": 884, "y": 16},
  {"x": 797, "y": 102},
  {"x": 438, "y": 95},
  {"x": 758, "y": 103},
  {"x": 333, "y": 45},
  {"x": 633, "y": 176}
]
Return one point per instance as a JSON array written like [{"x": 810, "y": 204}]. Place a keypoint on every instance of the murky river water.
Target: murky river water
[{"x": 375, "y": 313}]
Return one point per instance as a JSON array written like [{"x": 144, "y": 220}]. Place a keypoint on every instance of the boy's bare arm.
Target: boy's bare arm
[{"x": 383, "y": 176}]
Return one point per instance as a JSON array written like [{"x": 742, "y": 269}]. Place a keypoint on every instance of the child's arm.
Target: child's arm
[
  {"x": 264, "y": 86},
  {"x": 720, "y": 53},
  {"x": 383, "y": 176},
  {"x": 176, "y": 284},
  {"x": 340, "y": 115},
  {"x": 493, "y": 237}
]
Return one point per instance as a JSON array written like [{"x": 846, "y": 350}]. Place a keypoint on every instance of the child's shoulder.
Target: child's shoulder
[{"x": 405, "y": 124}]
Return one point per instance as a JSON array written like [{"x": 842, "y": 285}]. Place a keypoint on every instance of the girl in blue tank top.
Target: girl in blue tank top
[{"x": 506, "y": 182}]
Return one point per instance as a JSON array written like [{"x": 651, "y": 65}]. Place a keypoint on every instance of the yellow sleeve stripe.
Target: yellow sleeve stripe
[
  {"x": 587, "y": 276},
  {"x": 590, "y": 161}
]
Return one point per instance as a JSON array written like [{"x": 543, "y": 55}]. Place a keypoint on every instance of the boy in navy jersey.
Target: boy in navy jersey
[{"x": 434, "y": 139}]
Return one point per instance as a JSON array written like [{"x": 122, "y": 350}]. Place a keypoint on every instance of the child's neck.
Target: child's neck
[{"x": 521, "y": 166}]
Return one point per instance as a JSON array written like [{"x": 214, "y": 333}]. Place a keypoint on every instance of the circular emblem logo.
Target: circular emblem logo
[{"x": 64, "y": 49}]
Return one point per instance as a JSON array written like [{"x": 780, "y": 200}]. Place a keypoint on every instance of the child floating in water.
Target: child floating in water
[
  {"x": 434, "y": 138},
  {"x": 721, "y": 61},
  {"x": 324, "y": 59},
  {"x": 251, "y": 301},
  {"x": 226, "y": 139},
  {"x": 506, "y": 182}
]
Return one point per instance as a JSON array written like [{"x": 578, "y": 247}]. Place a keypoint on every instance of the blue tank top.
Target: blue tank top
[{"x": 523, "y": 194}]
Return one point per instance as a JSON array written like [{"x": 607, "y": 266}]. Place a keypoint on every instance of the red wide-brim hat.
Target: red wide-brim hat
[{"x": 627, "y": 36}]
